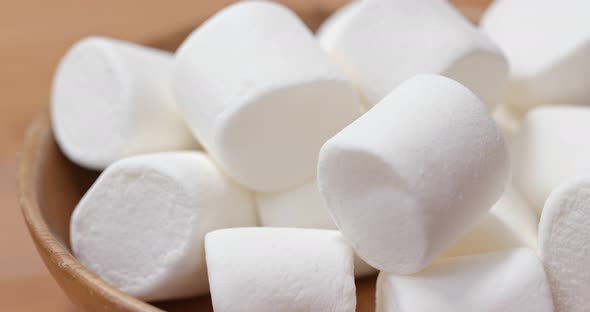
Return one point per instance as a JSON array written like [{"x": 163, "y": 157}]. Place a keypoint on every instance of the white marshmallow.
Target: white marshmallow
[
  {"x": 411, "y": 176},
  {"x": 510, "y": 223},
  {"x": 564, "y": 236},
  {"x": 512, "y": 280},
  {"x": 330, "y": 31},
  {"x": 261, "y": 95},
  {"x": 550, "y": 146},
  {"x": 381, "y": 43},
  {"x": 547, "y": 43},
  {"x": 141, "y": 225},
  {"x": 280, "y": 269},
  {"x": 110, "y": 99},
  {"x": 507, "y": 121},
  {"x": 301, "y": 207}
]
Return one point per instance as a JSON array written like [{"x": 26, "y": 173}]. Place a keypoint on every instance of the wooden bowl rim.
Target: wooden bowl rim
[{"x": 38, "y": 135}]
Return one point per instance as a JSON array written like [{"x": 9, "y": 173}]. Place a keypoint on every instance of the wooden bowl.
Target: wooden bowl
[{"x": 50, "y": 186}]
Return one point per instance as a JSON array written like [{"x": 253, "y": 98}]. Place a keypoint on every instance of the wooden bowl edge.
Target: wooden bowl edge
[{"x": 62, "y": 265}]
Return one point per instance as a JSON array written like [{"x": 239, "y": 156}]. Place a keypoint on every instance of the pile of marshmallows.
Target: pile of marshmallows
[{"x": 384, "y": 143}]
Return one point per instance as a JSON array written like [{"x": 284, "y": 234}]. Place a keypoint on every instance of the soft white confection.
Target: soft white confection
[
  {"x": 510, "y": 223},
  {"x": 301, "y": 207},
  {"x": 141, "y": 226},
  {"x": 564, "y": 237},
  {"x": 111, "y": 99},
  {"x": 512, "y": 280},
  {"x": 280, "y": 269},
  {"x": 507, "y": 121},
  {"x": 550, "y": 146},
  {"x": 261, "y": 95},
  {"x": 381, "y": 43},
  {"x": 412, "y": 175},
  {"x": 547, "y": 44},
  {"x": 329, "y": 31}
]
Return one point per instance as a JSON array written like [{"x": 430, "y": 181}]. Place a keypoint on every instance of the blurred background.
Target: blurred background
[{"x": 33, "y": 37}]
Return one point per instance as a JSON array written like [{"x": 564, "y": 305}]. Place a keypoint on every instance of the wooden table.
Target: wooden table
[{"x": 33, "y": 36}]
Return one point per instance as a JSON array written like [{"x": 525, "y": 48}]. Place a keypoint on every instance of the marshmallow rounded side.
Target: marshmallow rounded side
[
  {"x": 286, "y": 269},
  {"x": 512, "y": 280},
  {"x": 549, "y": 147},
  {"x": 508, "y": 121},
  {"x": 436, "y": 39},
  {"x": 411, "y": 176},
  {"x": 510, "y": 223},
  {"x": 261, "y": 95},
  {"x": 329, "y": 30},
  {"x": 547, "y": 48},
  {"x": 484, "y": 71},
  {"x": 301, "y": 207},
  {"x": 563, "y": 243},
  {"x": 141, "y": 225},
  {"x": 110, "y": 99}
]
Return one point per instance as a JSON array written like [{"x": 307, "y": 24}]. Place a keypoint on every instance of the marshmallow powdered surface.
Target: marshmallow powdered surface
[
  {"x": 412, "y": 175},
  {"x": 550, "y": 146},
  {"x": 564, "y": 237},
  {"x": 547, "y": 44},
  {"x": 435, "y": 37},
  {"x": 512, "y": 280},
  {"x": 285, "y": 269},
  {"x": 261, "y": 95},
  {"x": 301, "y": 207},
  {"x": 141, "y": 226},
  {"x": 110, "y": 99},
  {"x": 511, "y": 223}
]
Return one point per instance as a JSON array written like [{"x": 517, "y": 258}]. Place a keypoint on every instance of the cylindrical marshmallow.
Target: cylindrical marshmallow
[
  {"x": 547, "y": 43},
  {"x": 261, "y": 95},
  {"x": 412, "y": 175},
  {"x": 329, "y": 32},
  {"x": 280, "y": 269},
  {"x": 301, "y": 207},
  {"x": 564, "y": 237},
  {"x": 510, "y": 223},
  {"x": 141, "y": 226},
  {"x": 512, "y": 280},
  {"x": 550, "y": 146},
  {"x": 508, "y": 121},
  {"x": 381, "y": 43},
  {"x": 111, "y": 99}
]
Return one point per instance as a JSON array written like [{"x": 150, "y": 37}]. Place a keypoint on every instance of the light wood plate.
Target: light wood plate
[{"x": 50, "y": 186}]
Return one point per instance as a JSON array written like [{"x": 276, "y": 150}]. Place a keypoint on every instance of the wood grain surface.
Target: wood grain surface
[{"x": 33, "y": 36}]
